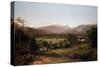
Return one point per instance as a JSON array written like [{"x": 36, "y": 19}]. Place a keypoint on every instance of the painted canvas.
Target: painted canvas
[{"x": 48, "y": 33}]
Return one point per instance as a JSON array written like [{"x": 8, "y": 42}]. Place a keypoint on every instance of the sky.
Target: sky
[{"x": 41, "y": 14}]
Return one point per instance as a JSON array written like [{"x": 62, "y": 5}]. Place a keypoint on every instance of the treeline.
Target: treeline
[{"x": 53, "y": 36}]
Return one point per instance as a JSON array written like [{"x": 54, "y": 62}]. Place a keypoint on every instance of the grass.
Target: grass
[
  {"x": 53, "y": 40},
  {"x": 77, "y": 53}
]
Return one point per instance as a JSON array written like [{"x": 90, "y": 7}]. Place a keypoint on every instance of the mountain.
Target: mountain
[
  {"x": 64, "y": 29},
  {"x": 53, "y": 29},
  {"x": 56, "y": 29},
  {"x": 84, "y": 28},
  {"x": 31, "y": 32}
]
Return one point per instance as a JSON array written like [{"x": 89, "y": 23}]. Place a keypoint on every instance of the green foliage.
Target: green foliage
[
  {"x": 72, "y": 39},
  {"x": 34, "y": 46},
  {"x": 92, "y": 36},
  {"x": 53, "y": 36},
  {"x": 45, "y": 44}
]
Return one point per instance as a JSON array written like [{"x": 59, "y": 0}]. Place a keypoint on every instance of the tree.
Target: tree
[
  {"x": 33, "y": 47},
  {"x": 67, "y": 43},
  {"x": 92, "y": 36},
  {"x": 45, "y": 44},
  {"x": 20, "y": 20},
  {"x": 72, "y": 39}
]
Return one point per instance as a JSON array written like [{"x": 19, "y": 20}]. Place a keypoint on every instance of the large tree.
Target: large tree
[
  {"x": 71, "y": 39},
  {"x": 92, "y": 36},
  {"x": 34, "y": 46}
]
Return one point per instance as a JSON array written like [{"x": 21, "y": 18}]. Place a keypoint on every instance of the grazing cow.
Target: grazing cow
[{"x": 43, "y": 49}]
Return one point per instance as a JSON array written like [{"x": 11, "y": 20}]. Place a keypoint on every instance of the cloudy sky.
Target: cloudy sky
[{"x": 41, "y": 14}]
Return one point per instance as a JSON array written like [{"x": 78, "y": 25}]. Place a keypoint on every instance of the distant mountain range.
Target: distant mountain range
[
  {"x": 54, "y": 29},
  {"x": 63, "y": 29}
]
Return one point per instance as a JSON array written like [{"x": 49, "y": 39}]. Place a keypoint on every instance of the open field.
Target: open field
[{"x": 53, "y": 40}]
